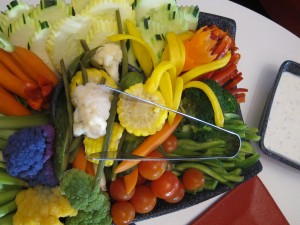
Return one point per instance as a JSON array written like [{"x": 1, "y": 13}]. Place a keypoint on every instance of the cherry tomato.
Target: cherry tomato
[
  {"x": 170, "y": 144},
  {"x": 166, "y": 185},
  {"x": 117, "y": 190},
  {"x": 143, "y": 199},
  {"x": 122, "y": 213},
  {"x": 152, "y": 170},
  {"x": 193, "y": 179},
  {"x": 140, "y": 180},
  {"x": 178, "y": 196}
]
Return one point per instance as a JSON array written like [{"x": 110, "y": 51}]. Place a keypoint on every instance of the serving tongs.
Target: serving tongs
[{"x": 232, "y": 149}]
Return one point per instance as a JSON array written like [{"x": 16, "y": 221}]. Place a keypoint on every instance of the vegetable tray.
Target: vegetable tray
[{"x": 163, "y": 207}]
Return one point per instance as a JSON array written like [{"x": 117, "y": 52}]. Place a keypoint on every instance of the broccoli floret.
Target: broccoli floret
[
  {"x": 28, "y": 155},
  {"x": 197, "y": 104},
  {"x": 92, "y": 205}
]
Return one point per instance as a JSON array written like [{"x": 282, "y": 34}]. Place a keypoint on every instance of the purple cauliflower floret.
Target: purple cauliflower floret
[{"x": 28, "y": 154}]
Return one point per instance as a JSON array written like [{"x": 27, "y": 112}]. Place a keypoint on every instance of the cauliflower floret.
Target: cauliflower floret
[
  {"x": 42, "y": 205},
  {"x": 110, "y": 56},
  {"x": 92, "y": 110}
]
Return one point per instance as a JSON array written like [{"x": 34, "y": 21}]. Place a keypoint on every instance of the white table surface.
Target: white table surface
[{"x": 264, "y": 46}]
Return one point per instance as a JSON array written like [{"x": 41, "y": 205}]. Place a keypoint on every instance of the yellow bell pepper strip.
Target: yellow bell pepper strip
[
  {"x": 182, "y": 53},
  {"x": 218, "y": 114},
  {"x": 176, "y": 98},
  {"x": 153, "y": 81},
  {"x": 174, "y": 51},
  {"x": 186, "y": 35},
  {"x": 120, "y": 37},
  {"x": 138, "y": 49},
  {"x": 205, "y": 68},
  {"x": 166, "y": 89}
]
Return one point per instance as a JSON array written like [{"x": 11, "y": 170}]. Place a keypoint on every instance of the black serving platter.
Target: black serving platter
[
  {"x": 189, "y": 200},
  {"x": 287, "y": 66}
]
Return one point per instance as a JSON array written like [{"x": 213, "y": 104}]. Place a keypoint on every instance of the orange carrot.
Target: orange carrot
[
  {"x": 89, "y": 169},
  {"x": 7, "y": 60},
  {"x": 10, "y": 106},
  {"x": 79, "y": 161},
  {"x": 150, "y": 144},
  {"x": 130, "y": 180},
  {"x": 33, "y": 65},
  {"x": 11, "y": 83}
]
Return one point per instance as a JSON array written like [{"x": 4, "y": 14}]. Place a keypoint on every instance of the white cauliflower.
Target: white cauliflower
[
  {"x": 110, "y": 56},
  {"x": 92, "y": 110}
]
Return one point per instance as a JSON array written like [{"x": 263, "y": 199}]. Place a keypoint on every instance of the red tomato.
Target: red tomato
[
  {"x": 140, "y": 180},
  {"x": 143, "y": 199},
  {"x": 117, "y": 190},
  {"x": 193, "y": 179},
  {"x": 165, "y": 186},
  {"x": 152, "y": 170},
  {"x": 122, "y": 213},
  {"x": 178, "y": 196},
  {"x": 170, "y": 144}
]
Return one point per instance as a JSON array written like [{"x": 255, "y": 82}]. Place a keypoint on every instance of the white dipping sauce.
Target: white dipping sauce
[{"x": 282, "y": 134}]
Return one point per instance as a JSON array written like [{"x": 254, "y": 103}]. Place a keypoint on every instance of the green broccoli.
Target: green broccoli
[
  {"x": 91, "y": 204},
  {"x": 197, "y": 104}
]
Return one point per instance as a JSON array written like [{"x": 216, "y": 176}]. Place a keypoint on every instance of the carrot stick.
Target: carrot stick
[
  {"x": 10, "y": 106},
  {"x": 89, "y": 169},
  {"x": 7, "y": 60},
  {"x": 150, "y": 144},
  {"x": 33, "y": 65},
  {"x": 79, "y": 161},
  {"x": 130, "y": 180},
  {"x": 11, "y": 83}
]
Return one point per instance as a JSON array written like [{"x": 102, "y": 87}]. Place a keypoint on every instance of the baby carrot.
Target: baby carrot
[
  {"x": 7, "y": 60},
  {"x": 33, "y": 65},
  {"x": 11, "y": 83},
  {"x": 10, "y": 106}
]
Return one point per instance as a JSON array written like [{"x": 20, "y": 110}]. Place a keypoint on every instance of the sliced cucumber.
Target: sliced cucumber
[
  {"x": 191, "y": 15},
  {"x": 146, "y": 8},
  {"x": 79, "y": 5},
  {"x": 37, "y": 43},
  {"x": 106, "y": 9},
  {"x": 99, "y": 32},
  {"x": 14, "y": 11},
  {"x": 21, "y": 30},
  {"x": 52, "y": 13},
  {"x": 64, "y": 39},
  {"x": 153, "y": 33}
]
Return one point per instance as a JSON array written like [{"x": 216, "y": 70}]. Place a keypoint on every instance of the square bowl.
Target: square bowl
[{"x": 280, "y": 123}]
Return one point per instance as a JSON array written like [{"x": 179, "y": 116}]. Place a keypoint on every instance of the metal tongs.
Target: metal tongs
[{"x": 233, "y": 138}]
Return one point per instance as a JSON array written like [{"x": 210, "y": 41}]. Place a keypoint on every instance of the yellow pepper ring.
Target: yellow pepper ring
[
  {"x": 205, "y": 68},
  {"x": 176, "y": 98},
  {"x": 166, "y": 89},
  {"x": 120, "y": 37},
  {"x": 219, "y": 117},
  {"x": 174, "y": 51}
]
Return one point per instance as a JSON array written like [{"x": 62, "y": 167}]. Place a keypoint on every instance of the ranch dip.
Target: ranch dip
[{"x": 282, "y": 134}]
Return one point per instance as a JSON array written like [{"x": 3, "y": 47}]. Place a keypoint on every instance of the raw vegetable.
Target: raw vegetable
[
  {"x": 150, "y": 144},
  {"x": 28, "y": 155},
  {"x": 118, "y": 190},
  {"x": 139, "y": 118},
  {"x": 131, "y": 179},
  {"x": 31, "y": 201},
  {"x": 95, "y": 145},
  {"x": 143, "y": 199},
  {"x": 122, "y": 213},
  {"x": 92, "y": 205},
  {"x": 10, "y": 106}
]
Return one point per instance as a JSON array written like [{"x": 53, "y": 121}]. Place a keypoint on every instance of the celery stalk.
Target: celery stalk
[
  {"x": 7, "y": 179},
  {"x": 19, "y": 122},
  {"x": 3, "y": 143},
  {"x": 8, "y": 208}
]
